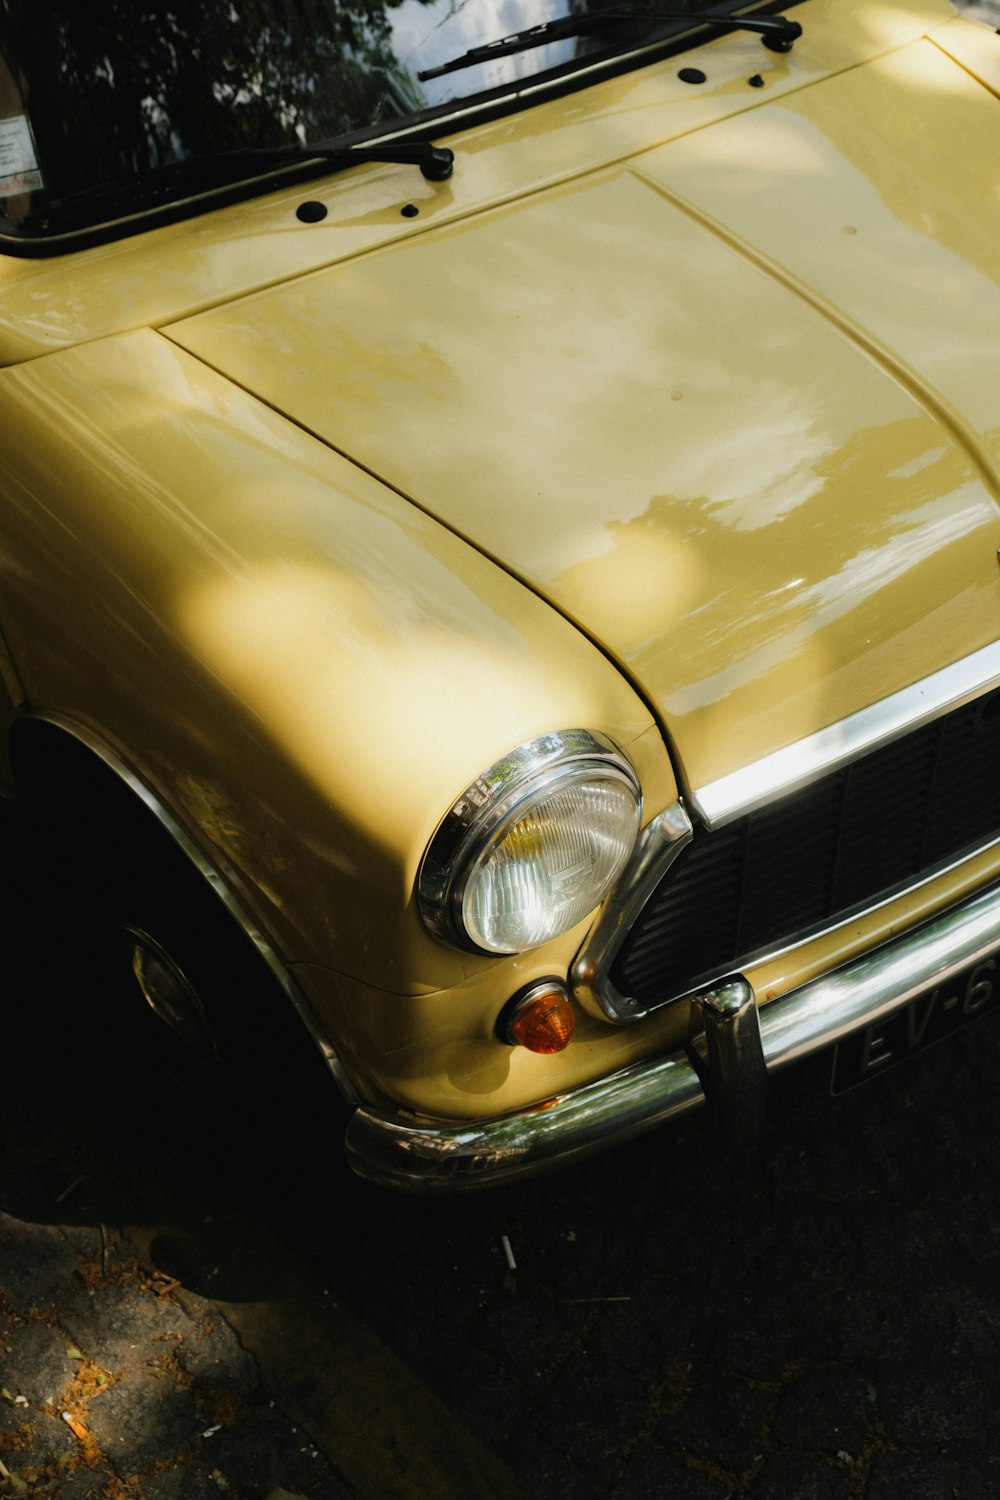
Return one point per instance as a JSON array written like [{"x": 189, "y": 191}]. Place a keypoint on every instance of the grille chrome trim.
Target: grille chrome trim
[
  {"x": 592, "y": 985},
  {"x": 660, "y": 842},
  {"x": 929, "y": 756},
  {"x": 798, "y": 764},
  {"x": 762, "y": 956}
]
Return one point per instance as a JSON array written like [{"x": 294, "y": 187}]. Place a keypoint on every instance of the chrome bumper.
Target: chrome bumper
[{"x": 458, "y": 1156}]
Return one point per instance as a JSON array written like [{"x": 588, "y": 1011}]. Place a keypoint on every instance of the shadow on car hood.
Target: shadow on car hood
[{"x": 732, "y": 407}]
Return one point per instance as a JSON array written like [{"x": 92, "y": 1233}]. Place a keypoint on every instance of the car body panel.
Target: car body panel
[
  {"x": 297, "y": 618},
  {"x": 774, "y": 505},
  {"x": 174, "y": 271},
  {"x": 973, "y": 48}
]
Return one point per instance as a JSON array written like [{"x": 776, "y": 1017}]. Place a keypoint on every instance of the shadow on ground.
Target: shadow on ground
[{"x": 818, "y": 1322}]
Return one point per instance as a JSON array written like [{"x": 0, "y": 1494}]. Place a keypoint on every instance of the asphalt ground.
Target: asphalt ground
[{"x": 202, "y": 1300}]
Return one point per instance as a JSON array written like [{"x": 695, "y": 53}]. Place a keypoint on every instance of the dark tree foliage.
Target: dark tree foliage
[{"x": 121, "y": 86}]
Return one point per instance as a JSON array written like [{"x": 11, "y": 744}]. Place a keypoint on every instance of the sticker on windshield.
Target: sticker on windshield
[{"x": 18, "y": 163}]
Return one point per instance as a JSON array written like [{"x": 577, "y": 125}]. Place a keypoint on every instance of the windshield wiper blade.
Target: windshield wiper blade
[
  {"x": 213, "y": 171},
  {"x": 435, "y": 162},
  {"x": 776, "y": 32}
]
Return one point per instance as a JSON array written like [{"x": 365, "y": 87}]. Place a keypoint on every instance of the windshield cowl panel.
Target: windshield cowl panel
[
  {"x": 171, "y": 272},
  {"x": 92, "y": 104}
]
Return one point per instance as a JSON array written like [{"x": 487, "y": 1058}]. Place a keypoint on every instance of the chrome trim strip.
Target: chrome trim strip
[
  {"x": 436, "y": 1158},
  {"x": 796, "y": 765},
  {"x": 658, "y": 846},
  {"x": 230, "y": 900}
]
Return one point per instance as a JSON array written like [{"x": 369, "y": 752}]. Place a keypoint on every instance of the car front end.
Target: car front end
[{"x": 553, "y": 600}]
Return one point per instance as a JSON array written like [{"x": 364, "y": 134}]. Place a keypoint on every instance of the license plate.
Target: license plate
[{"x": 927, "y": 1019}]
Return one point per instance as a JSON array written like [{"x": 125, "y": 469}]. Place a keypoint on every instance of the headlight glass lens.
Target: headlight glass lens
[
  {"x": 533, "y": 845},
  {"x": 552, "y": 862}
]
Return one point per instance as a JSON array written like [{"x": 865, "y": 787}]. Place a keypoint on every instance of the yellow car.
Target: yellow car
[{"x": 499, "y": 521}]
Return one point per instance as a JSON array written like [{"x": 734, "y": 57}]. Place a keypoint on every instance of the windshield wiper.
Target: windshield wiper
[
  {"x": 435, "y": 162},
  {"x": 219, "y": 169},
  {"x": 776, "y": 32}
]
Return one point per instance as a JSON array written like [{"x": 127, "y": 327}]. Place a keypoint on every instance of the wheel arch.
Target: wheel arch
[{"x": 79, "y": 783}]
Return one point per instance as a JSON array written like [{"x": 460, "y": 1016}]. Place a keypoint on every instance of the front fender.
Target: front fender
[{"x": 304, "y": 666}]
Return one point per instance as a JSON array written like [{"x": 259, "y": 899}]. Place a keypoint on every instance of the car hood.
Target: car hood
[{"x": 730, "y": 405}]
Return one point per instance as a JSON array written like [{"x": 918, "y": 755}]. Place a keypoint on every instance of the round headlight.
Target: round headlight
[{"x": 533, "y": 846}]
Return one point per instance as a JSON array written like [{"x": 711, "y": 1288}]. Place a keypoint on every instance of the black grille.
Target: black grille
[{"x": 813, "y": 857}]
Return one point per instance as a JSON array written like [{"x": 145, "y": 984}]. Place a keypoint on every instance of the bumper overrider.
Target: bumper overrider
[{"x": 741, "y": 1044}]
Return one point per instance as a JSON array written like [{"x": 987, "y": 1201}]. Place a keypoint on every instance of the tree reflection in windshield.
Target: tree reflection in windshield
[
  {"x": 91, "y": 94},
  {"x": 115, "y": 89}
]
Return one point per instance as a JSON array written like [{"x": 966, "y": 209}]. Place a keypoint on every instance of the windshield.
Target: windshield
[{"x": 91, "y": 95}]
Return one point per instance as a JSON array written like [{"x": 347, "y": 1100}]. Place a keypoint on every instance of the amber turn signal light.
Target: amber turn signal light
[{"x": 542, "y": 1020}]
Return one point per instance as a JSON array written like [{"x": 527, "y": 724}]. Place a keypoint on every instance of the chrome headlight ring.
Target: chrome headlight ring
[{"x": 532, "y": 846}]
